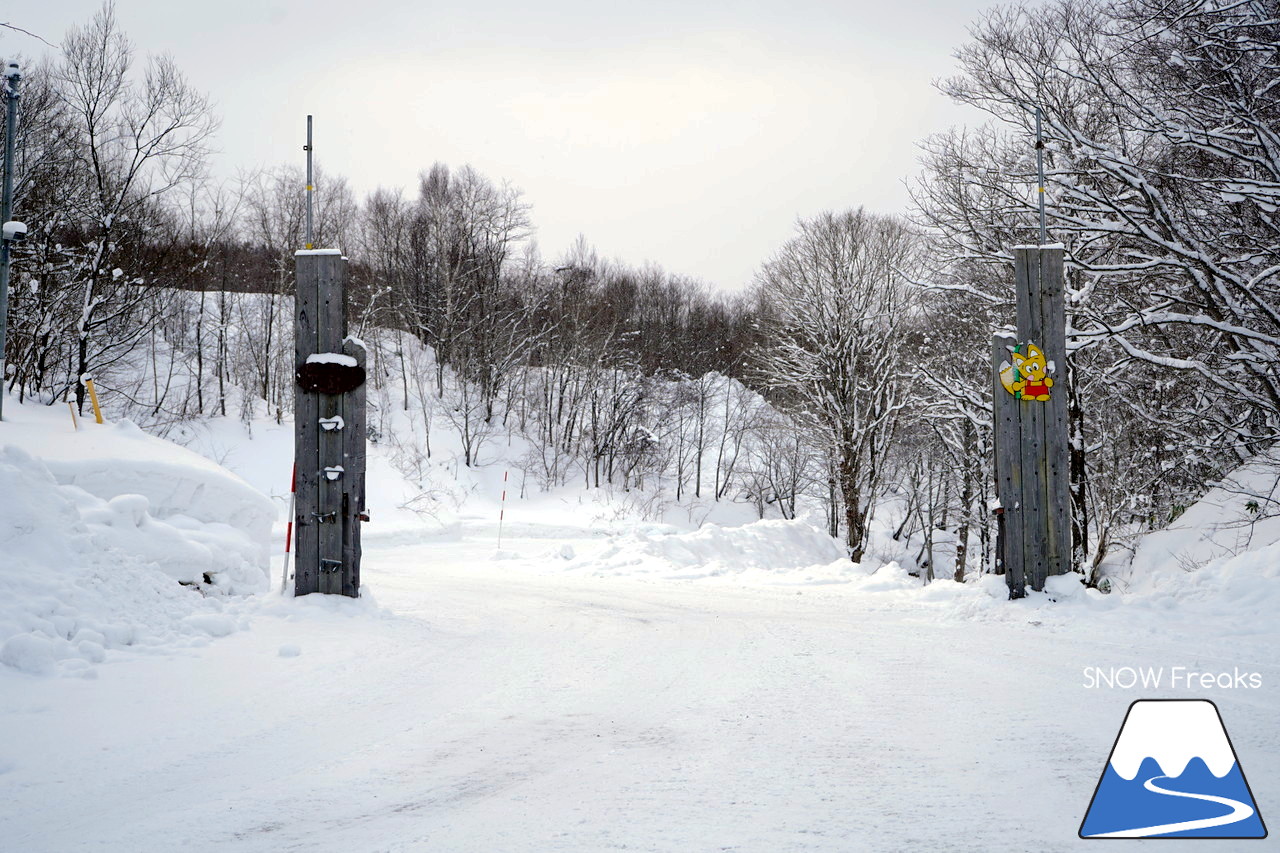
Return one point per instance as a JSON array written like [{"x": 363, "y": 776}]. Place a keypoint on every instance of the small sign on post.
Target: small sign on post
[{"x": 329, "y": 425}]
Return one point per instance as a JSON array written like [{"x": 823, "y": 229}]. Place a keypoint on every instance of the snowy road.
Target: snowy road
[{"x": 488, "y": 708}]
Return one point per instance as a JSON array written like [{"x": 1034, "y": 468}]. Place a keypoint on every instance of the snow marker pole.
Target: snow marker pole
[
  {"x": 93, "y": 397},
  {"x": 502, "y": 508},
  {"x": 288, "y": 536},
  {"x": 74, "y": 422}
]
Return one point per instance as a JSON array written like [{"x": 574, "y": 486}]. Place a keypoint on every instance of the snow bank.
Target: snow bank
[
  {"x": 112, "y": 538},
  {"x": 770, "y": 547},
  {"x": 1240, "y": 514},
  {"x": 1242, "y": 590},
  {"x": 119, "y": 459},
  {"x": 150, "y": 497}
]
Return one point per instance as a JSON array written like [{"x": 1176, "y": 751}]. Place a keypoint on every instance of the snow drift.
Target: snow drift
[
  {"x": 109, "y": 461},
  {"x": 1240, "y": 513},
  {"x": 113, "y": 538},
  {"x": 774, "y": 547}
]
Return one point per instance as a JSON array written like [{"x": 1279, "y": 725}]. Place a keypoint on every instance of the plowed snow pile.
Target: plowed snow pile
[
  {"x": 784, "y": 551},
  {"x": 114, "y": 538}
]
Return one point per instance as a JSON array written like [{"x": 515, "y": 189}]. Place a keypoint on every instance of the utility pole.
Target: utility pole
[{"x": 13, "y": 231}]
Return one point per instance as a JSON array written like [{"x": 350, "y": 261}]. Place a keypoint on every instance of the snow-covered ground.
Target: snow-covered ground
[{"x": 584, "y": 687}]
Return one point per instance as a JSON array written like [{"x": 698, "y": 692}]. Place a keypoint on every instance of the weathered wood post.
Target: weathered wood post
[
  {"x": 1008, "y": 442},
  {"x": 329, "y": 430},
  {"x": 1030, "y": 418}
]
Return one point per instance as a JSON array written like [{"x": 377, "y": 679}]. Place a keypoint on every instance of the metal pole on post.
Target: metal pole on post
[
  {"x": 311, "y": 187},
  {"x": 1044, "y": 233},
  {"x": 12, "y": 77}
]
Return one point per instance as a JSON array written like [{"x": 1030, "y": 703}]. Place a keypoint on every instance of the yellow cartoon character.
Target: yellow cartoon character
[{"x": 1028, "y": 377}]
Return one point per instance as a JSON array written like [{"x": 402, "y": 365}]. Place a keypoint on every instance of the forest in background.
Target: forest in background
[{"x": 854, "y": 368}]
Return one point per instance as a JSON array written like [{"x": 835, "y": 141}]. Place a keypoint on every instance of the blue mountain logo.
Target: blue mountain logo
[{"x": 1173, "y": 773}]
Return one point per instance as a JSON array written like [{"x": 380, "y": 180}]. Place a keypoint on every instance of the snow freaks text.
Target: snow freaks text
[{"x": 1172, "y": 678}]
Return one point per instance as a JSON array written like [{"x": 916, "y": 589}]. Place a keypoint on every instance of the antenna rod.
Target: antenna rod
[
  {"x": 311, "y": 186},
  {"x": 1044, "y": 236}
]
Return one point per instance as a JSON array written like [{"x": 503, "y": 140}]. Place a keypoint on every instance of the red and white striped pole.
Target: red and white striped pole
[
  {"x": 288, "y": 536},
  {"x": 502, "y": 508}
]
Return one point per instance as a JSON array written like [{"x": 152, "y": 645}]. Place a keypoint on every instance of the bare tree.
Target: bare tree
[
  {"x": 834, "y": 300},
  {"x": 132, "y": 141}
]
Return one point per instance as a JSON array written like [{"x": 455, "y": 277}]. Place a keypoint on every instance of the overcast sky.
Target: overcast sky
[{"x": 691, "y": 137}]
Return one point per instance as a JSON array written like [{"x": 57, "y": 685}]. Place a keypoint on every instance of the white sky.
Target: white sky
[{"x": 691, "y": 135}]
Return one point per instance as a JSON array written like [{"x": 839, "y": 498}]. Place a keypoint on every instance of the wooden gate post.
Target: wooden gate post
[
  {"x": 329, "y": 430},
  {"x": 1032, "y": 458}
]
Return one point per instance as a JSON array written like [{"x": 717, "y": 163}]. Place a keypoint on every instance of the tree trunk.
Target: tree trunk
[
  {"x": 1078, "y": 475},
  {"x": 966, "y": 501},
  {"x": 200, "y": 353},
  {"x": 854, "y": 515},
  {"x": 82, "y": 367}
]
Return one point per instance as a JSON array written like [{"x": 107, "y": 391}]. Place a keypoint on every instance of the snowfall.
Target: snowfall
[{"x": 592, "y": 682}]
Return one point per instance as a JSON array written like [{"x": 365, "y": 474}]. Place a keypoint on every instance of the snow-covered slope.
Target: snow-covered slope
[
  {"x": 1239, "y": 514},
  {"x": 1220, "y": 559}
]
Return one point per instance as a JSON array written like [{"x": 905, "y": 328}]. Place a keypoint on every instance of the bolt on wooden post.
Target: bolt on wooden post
[
  {"x": 1030, "y": 419},
  {"x": 329, "y": 430}
]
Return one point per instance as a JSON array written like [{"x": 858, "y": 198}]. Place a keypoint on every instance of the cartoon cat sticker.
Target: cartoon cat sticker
[{"x": 1028, "y": 377}]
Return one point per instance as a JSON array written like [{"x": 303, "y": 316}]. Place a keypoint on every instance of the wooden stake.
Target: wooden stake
[{"x": 93, "y": 397}]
